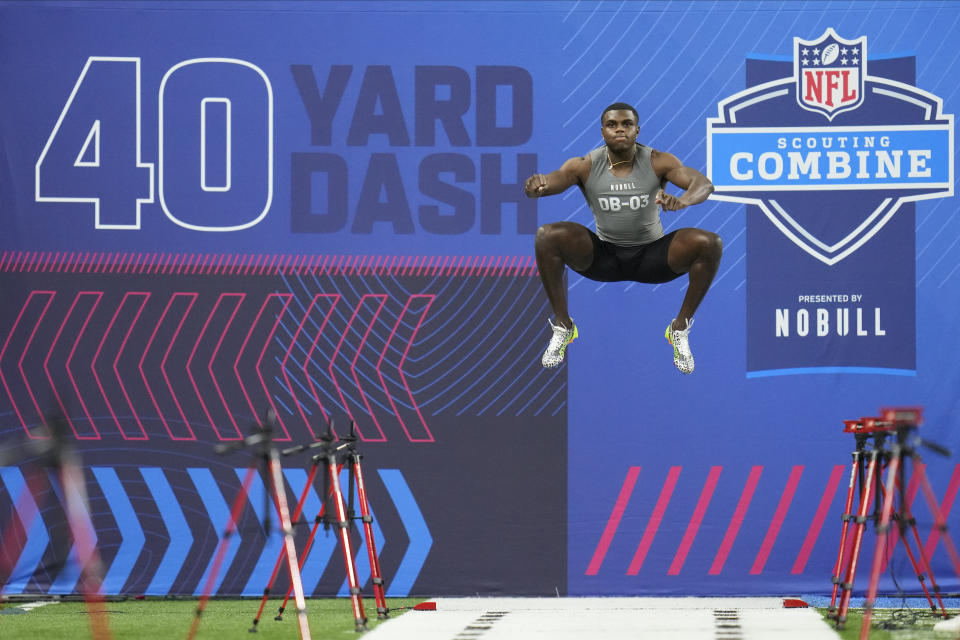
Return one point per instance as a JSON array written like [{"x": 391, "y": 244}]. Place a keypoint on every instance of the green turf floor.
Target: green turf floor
[
  {"x": 160, "y": 618},
  {"x": 328, "y": 618},
  {"x": 895, "y": 624}
]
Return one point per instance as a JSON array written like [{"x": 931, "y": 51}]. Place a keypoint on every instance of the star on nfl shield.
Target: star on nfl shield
[{"x": 830, "y": 73}]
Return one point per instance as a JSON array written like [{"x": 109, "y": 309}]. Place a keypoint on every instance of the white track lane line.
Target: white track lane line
[
  {"x": 609, "y": 618},
  {"x": 27, "y": 606}
]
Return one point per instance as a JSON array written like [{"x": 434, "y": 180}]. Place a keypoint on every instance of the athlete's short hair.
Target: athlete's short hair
[{"x": 620, "y": 106}]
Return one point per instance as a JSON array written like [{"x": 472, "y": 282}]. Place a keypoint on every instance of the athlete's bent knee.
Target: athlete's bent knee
[
  {"x": 548, "y": 235},
  {"x": 711, "y": 245}
]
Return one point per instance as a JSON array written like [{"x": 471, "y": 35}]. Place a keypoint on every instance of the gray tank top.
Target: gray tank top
[{"x": 625, "y": 208}]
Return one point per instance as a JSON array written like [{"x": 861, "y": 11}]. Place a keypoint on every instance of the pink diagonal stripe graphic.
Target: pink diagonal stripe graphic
[
  {"x": 23, "y": 355},
  {"x": 814, "y": 532},
  {"x": 286, "y": 357},
  {"x": 739, "y": 513},
  {"x": 193, "y": 353},
  {"x": 698, "y": 512},
  {"x": 940, "y": 519},
  {"x": 353, "y": 367},
  {"x": 403, "y": 359},
  {"x": 236, "y": 363},
  {"x": 336, "y": 353},
  {"x": 166, "y": 356},
  {"x": 98, "y": 295},
  {"x": 143, "y": 374},
  {"x": 654, "y": 523},
  {"x": 893, "y": 536},
  {"x": 779, "y": 515},
  {"x": 286, "y": 297},
  {"x": 948, "y": 499},
  {"x": 53, "y": 384},
  {"x": 626, "y": 490},
  {"x": 216, "y": 385},
  {"x": 116, "y": 372},
  {"x": 406, "y": 386},
  {"x": 309, "y": 357}
]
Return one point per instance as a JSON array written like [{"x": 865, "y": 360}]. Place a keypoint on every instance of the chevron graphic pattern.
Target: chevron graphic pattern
[
  {"x": 388, "y": 346},
  {"x": 154, "y": 359},
  {"x": 153, "y": 563}
]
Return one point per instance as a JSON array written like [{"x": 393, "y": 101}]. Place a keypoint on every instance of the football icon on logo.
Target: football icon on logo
[{"x": 829, "y": 54}]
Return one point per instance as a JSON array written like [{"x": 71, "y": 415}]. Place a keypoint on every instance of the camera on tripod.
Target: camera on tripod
[
  {"x": 890, "y": 420},
  {"x": 886, "y": 444}
]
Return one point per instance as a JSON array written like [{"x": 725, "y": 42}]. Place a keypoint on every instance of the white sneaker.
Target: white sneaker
[
  {"x": 561, "y": 337},
  {"x": 679, "y": 338}
]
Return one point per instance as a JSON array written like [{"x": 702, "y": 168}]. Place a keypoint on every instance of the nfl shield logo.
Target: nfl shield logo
[
  {"x": 830, "y": 73},
  {"x": 830, "y": 186}
]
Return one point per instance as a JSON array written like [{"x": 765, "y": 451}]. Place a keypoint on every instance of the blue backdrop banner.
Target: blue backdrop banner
[{"x": 216, "y": 209}]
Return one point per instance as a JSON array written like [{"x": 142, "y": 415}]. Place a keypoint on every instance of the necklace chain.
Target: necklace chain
[{"x": 613, "y": 164}]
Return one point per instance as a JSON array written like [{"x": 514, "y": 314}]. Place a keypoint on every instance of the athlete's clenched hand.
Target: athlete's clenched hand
[
  {"x": 535, "y": 185},
  {"x": 669, "y": 202}
]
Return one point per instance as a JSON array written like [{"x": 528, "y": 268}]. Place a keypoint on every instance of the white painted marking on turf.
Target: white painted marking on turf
[
  {"x": 609, "y": 618},
  {"x": 952, "y": 624},
  {"x": 27, "y": 606}
]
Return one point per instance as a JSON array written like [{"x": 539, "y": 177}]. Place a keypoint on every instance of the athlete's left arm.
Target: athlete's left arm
[{"x": 696, "y": 185}]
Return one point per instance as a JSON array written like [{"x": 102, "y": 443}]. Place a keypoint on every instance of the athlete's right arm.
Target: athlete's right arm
[{"x": 573, "y": 171}]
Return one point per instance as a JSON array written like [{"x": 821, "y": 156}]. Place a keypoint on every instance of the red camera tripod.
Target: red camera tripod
[
  {"x": 870, "y": 459},
  {"x": 334, "y": 455}
]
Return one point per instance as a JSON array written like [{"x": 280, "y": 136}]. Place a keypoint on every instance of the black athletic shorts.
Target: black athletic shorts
[{"x": 644, "y": 263}]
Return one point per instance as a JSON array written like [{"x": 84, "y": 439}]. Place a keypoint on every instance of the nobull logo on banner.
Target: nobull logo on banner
[{"x": 831, "y": 150}]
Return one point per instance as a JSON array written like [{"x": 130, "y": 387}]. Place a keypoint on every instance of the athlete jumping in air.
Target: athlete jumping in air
[{"x": 623, "y": 182}]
